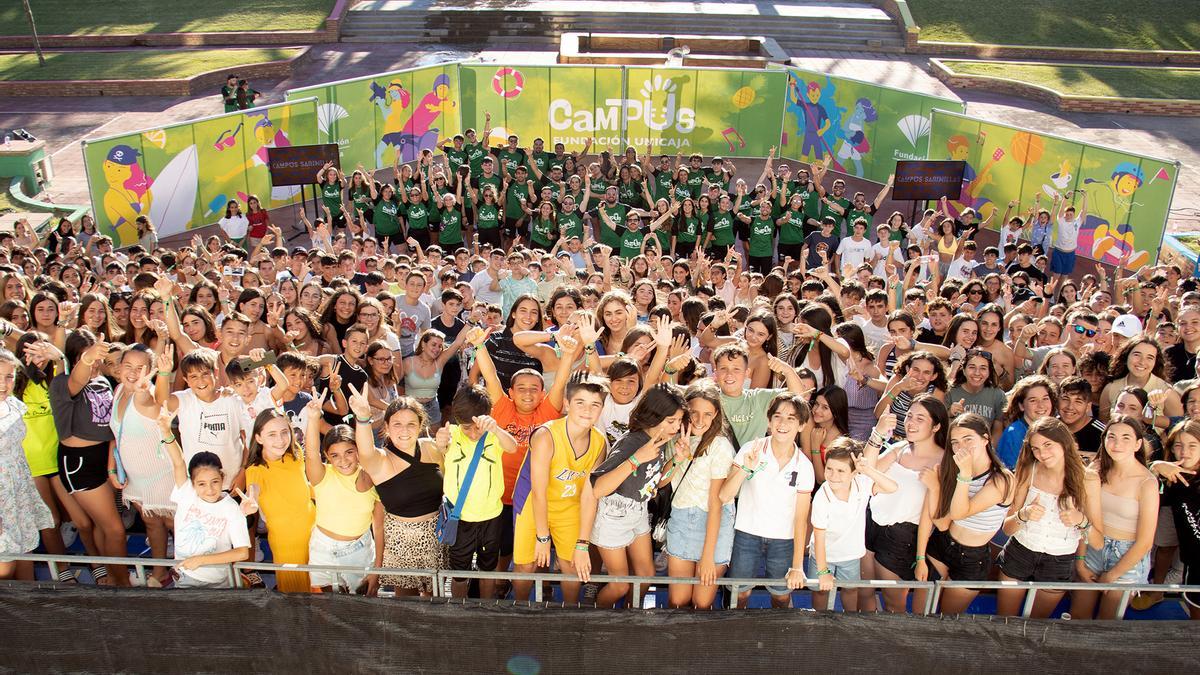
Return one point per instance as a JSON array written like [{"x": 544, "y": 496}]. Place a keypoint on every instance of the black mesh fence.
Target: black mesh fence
[{"x": 44, "y": 629}]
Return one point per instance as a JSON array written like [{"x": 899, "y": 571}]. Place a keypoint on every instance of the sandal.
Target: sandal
[
  {"x": 1144, "y": 601},
  {"x": 100, "y": 576}
]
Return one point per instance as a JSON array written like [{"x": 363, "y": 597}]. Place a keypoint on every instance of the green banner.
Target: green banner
[
  {"x": 857, "y": 128},
  {"x": 183, "y": 176},
  {"x": 1128, "y": 195}
]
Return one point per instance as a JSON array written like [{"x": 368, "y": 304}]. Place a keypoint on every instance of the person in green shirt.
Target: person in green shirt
[
  {"x": 761, "y": 235},
  {"x": 661, "y": 178},
  {"x": 634, "y": 240},
  {"x": 570, "y": 223},
  {"x": 543, "y": 225},
  {"x": 664, "y": 214},
  {"x": 688, "y": 227},
  {"x": 612, "y": 216},
  {"x": 803, "y": 185},
  {"x": 511, "y": 157},
  {"x": 387, "y": 218},
  {"x": 362, "y": 193},
  {"x": 330, "y": 182},
  {"x": 791, "y": 226},
  {"x": 518, "y": 194},
  {"x": 720, "y": 231},
  {"x": 487, "y": 215},
  {"x": 860, "y": 207},
  {"x": 456, "y": 153},
  {"x": 416, "y": 211},
  {"x": 837, "y": 196},
  {"x": 680, "y": 189},
  {"x": 695, "y": 176},
  {"x": 720, "y": 173},
  {"x": 450, "y": 234},
  {"x": 487, "y": 177},
  {"x": 475, "y": 147},
  {"x": 229, "y": 93},
  {"x": 596, "y": 182}
]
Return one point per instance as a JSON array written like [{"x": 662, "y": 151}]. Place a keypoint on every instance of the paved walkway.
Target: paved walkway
[{"x": 63, "y": 122}]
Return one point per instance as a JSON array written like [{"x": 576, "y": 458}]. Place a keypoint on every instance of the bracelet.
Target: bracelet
[
  {"x": 1019, "y": 516},
  {"x": 962, "y": 480},
  {"x": 1081, "y": 557},
  {"x": 747, "y": 469},
  {"x": 582, "y": 541},
  {"x": 920, "y": 558},
  {"x": 669, "y": 370},
  {"x": 168, "y": 441},
  {"x": 633, "y": 461},
  {"x": 1084, "y": 525},
  {"x": 166, "y": 373},
  {"x": 541, "y": 539},
  {"x": 823, "y": 572},
  {"x": 581, "y": 547},
  {"x": 112, "y": 472},
  {"x": 362, "y": 420},
  {"x": 589, "y": 349},
  {"x": 795, "y": 569}
]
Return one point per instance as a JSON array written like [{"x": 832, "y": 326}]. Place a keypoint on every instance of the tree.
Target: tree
[{"x": 37, "y": 44}]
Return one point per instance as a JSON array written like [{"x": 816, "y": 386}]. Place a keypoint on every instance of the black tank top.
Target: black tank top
[{"x": 415, "y": 491}]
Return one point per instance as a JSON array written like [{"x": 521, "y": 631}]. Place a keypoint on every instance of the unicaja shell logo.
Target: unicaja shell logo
[{"x": 658, "y": 108}]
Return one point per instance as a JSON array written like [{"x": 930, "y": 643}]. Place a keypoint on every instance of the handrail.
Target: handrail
[{"x": 439, "y": 577}]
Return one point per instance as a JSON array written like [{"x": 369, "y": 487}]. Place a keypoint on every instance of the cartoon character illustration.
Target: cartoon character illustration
[
  {"x": 1059, "y": 180},
  {"x": 266, "y": 135},
  {"x": 128, "y": 194},
  {"x": 974, "y": 182},
  {"x": 853, "y": 135},
  {"x": 416, "y": 133},
  {"x": 814, "y": 118},
  {"x": 1111, "y": 202}
]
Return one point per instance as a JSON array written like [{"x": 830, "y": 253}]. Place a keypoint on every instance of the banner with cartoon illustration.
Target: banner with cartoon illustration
[
  {"x": 854, "y": 127},
  {"x": 1128, "y": 195},
  {"x": 378, "y": 119},
  {"x": 183, "y": 176}
]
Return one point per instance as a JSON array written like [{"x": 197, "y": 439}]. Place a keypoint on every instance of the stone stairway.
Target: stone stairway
[{"x": 846, "y": 25}]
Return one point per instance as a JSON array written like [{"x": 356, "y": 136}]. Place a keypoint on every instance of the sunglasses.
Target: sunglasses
[
  {"x": 979, "y": 352},
  {"x": 975, "y": 291},
  {"x": 1090, "y": 332},
  {"x": 223, "y": 141}
]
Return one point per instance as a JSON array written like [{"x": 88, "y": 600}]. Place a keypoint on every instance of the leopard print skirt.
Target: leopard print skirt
[{"x": 411, "y": 545}]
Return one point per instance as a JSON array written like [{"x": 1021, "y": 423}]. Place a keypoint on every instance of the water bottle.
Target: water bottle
[{"x": 7, "y": 140}]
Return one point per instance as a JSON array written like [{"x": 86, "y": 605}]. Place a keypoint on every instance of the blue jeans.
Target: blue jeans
[
  {"x": 850, "y": 570},
  {"x": 1104, "y": 559},
  {"x": 687, "y": 528},
  {"x": 751, "y": 553}
]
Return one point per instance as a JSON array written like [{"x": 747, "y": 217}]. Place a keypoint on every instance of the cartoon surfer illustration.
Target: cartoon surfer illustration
[
  {"x": 128, "y": 194},
  {"x": 266, "y": 135}
]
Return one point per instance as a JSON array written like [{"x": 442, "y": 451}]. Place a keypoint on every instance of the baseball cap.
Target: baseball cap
[
  {"x": 1127, "y": 326},
  {"x": 123, "y": 154}
]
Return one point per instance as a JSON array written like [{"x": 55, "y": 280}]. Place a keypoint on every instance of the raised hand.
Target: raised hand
[
  {"x": 886, "y": 425},
  {"x": 485, "y": 423},
  {"x": 249, "y": 505},
  {"x": 962, "y": 459},
  {"x": 315, "y": 404},
  {"x": 662, "y": 332},
  {"x": 360, "y": 403},
  {"x": 1034, "y": 511},
  {"x": 653, "y": 447},
  {"x": 477, "y": 335},
  {"x": 335, "y": 378},
  {"x": 441, "y": 439}
]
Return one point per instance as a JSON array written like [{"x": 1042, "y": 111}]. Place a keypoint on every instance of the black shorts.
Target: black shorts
[
  {"x": 894, "y": 546},
  {"x": 717, "y": 251},
  {"x": 516, "y": 226},
  {"x": 683, "y": 249},
  {"x": 965, "y": 563},
  {"x": 480, "y": 541},
  {"x": 761, "y": 264},
  {"x": 422, "y": 237},
  {"x": 83, "y": 469},
  {"x": 490, "y": 236},
  {"x": 507, "y": 523},
  {"x": 790, "y": 250},
  {"x": 1018, "y": 562}
]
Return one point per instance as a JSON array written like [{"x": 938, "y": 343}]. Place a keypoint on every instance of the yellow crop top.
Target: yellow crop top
[{"x": 341, "y": 508}]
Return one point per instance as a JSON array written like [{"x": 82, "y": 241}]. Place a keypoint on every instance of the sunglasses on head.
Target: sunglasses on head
[
  {"x": 979, "y": 352},
  {"x": 1090, "y": 332}
]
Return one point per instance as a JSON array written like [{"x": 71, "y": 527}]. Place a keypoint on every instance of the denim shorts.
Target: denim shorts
[
  {"x": 752, "y": 553},
  {"x": 1104, "y": 559},
  {"x": 325, "y": 550},
  {"x": 850, "y": 570},
  {"x": 963, "y": 563},
  {"x": 619, "y": 520},
  {"x": 687, "y": 528}
]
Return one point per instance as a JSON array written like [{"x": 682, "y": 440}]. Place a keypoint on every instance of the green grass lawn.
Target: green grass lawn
[
  {"x": 1110, "y": 24},
  {"x": 101, "y": 17},
  {"x": 141, "y": 64},
  {"x": 1094, "y": 80}
]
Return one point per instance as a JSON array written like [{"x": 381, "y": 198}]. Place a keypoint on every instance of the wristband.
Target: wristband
[
  {"x": 542, "y": 540},
  {"x": 1081, "y": 557},
  {"x": 582, "y": 541},
  {"x": 164, "y": 372},
  {"x": 168, "y": 441},
  {"x": 581, "y": 547},
  {"x": 1019, "y": 516},
  {"x": 962, "y": 480},
  {"x": 112, "y": 472},
  {"x": 823, "y": 572},
  {"x": 920, "y": 558},
  {"x": 362, "y": 420},
  {"x": 633, "y": 461}
]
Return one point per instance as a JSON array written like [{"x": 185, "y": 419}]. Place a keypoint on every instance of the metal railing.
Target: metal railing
[{"x": 439, "y": 578}]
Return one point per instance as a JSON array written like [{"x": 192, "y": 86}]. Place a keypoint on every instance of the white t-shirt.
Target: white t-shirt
[
  {"x": 202, "y": 528},
  {"x": 692, "y": 482},
  {"x": 767, "y": 504},
  {"x": 481, "y": 285},
  {"x": 961, "y": 268},
  {"x": 880, "y": 250},
  {"x": 1010, "y": 236},
  {"x": 854, "y": 253},
  {"x": 614, "y": 418},
  {"x": 875, "y": 336},
  {"x": 215, "y": 427},
  {"x": 1067, "y": 237},
  {"x": 236, "y": 226},
  {"x": 262, "y": 401},
  {"x": 844, "y": 522}
]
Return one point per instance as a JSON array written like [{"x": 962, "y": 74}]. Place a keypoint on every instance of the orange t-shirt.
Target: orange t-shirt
[{"x": 521, "y": 427}]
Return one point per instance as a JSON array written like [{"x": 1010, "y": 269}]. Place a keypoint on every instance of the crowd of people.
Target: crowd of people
[{"x": 524, "y": 359}]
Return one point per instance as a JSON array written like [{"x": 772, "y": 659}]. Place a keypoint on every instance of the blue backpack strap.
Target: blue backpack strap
[{"x": 467, "y": 479}]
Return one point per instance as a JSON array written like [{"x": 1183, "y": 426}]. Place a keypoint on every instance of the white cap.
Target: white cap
[{"x": 1127, "y": 326}]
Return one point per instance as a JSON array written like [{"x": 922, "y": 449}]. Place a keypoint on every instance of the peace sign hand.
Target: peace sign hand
[
  {"x": 653, "y": 447},
  {"x": 316, "y": 403},
  {"x": 360, "y": 403}
]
